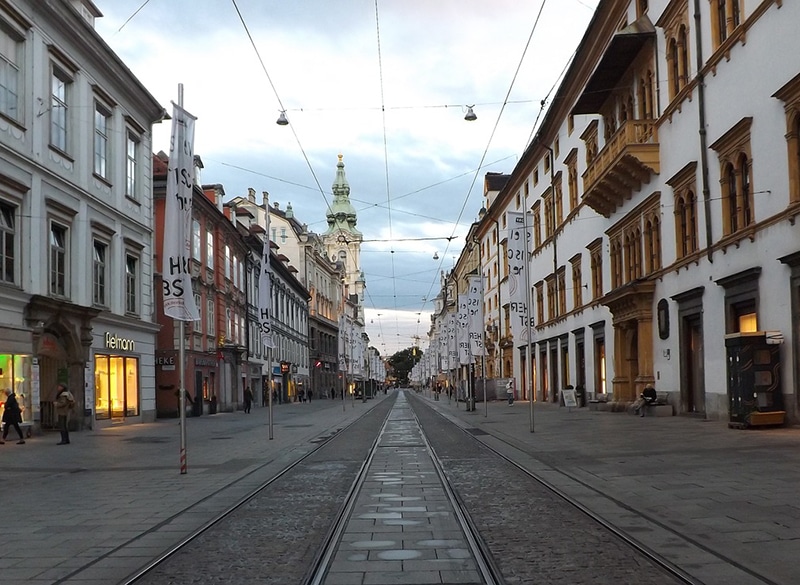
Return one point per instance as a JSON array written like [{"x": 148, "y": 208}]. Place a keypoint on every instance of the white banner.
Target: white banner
[
  {"x": 518, "y": 263},
  {"x": 462, "y": 331},
  {"x": 342, "y": 344},
  {"x": 177, "y": 248},
  {"x": 452, "y": 346},
  {"x": 475, "y": 306},
  {"x": 265, "y": 288}
]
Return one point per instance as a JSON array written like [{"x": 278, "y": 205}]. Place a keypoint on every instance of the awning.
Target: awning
[{"x": 618, "y": 57}]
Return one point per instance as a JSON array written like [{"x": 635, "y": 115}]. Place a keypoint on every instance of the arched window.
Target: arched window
[
  {"x": 744, "y": 193},
  {"x": 730, "y": 198},
  {"x": 674, "y": 74},
  {"x": 722, "y": 20},
  {"x": 683, "y": 46}
]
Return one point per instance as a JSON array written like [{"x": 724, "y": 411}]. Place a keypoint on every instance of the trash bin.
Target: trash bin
[{"x": 580, "y": 395}]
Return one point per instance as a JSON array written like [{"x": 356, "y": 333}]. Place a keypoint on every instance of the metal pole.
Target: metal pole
[
  {"x": 528, "y": 373},
  {"x": 182, "y": 401},
  {"x": 182, "y": 360},
  {"x": 269, "y": 384},
  {"x": 483, "y": 376}
]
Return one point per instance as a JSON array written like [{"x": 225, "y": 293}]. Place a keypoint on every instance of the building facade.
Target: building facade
[
  {"x": 75, "y": 184},
  {"x": 663, "y": 191}
]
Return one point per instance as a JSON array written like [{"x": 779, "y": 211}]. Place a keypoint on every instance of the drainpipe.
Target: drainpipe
[{"x": 701, "y": 108}]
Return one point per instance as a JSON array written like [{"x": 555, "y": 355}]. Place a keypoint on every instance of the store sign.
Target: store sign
[
  {"x": 166, "y": 363},
  {"x": 114, "y": 341}
]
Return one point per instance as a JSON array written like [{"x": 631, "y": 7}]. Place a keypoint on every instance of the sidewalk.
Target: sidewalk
[
  {"x": 64, "y": 506},
  {"x": 732, "y": 491}
]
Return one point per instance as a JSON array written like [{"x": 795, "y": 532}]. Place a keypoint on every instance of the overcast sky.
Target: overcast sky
[{"x": 385, "y": 84}]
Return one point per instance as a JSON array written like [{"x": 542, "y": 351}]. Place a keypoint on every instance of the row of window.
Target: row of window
[
  {"x": 63, "y": 113},
  {"x": 59, "y": 251}
]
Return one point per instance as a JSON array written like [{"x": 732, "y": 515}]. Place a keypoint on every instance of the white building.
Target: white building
[
  {"x": 76, "y": 298},
  {"x": 664, "y": 185}
]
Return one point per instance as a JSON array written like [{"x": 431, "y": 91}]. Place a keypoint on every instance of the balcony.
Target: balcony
[{"x": 627, "y": 161}]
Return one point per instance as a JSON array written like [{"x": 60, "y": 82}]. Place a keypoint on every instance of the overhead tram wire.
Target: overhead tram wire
[
  {"x": 280, "y": 102},
  {"x": 385, "y": 155},
  {"x": 491, "y": 137},
  {"x": 135, "y": 12}
]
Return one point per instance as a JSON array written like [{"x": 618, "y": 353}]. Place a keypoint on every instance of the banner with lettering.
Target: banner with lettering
[
  {"x": 177, "y": 248},
  {"x": 342, "y": 344},
  {"x": 462, "y": 330},
  {"x": 519, "y": 231},
  {"x": 475, "y": 308},
  {"x": 265, "y": 287}
]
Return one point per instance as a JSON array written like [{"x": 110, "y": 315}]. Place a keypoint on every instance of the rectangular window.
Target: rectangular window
[
  {"x": 59, "y": 84},
  {"x": 210, "y": 248},
  {"x": 131, "y": 166},
  {"x": 196, "y": 250},
  {"x": 227, "y": 262},
  {"x": 10, "y": 54},
  {"x": 8, "y": 237},
  {"x": 58, "y": 260},
  {"x": 116, "y": 381},
  {"x": 101, "y": 132},
  {"x": 131, "y": 284},
  {"x": 210, "y": 317},
  {"x": 99, "y": 274}
]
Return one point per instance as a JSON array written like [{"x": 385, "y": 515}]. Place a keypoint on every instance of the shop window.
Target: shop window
[
  {"x": 15, "y": 373},
  {"x": 116, "y": 380}
]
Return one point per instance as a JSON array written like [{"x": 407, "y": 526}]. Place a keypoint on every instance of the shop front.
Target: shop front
[
  {"x": 115, "y": 388},
  {"x": 200, "y": 383},
  {"x": 17, "y": 372}
]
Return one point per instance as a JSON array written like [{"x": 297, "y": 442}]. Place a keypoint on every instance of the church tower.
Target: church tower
[{"x": 343, "y": 240}]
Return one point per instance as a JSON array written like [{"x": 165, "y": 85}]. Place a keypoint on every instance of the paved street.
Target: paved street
[{"x": 729, "y": 490}]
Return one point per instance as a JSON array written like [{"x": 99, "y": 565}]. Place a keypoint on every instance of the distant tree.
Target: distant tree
[{"x": 403, "y": 361}]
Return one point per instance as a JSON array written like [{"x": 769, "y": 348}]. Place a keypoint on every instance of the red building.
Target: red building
[{"x": 215, "y": 345}]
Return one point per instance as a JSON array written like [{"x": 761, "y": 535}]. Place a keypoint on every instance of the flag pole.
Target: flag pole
[
  {"x": 182, "y": 359},
  {"x": 269, "y": 380}
]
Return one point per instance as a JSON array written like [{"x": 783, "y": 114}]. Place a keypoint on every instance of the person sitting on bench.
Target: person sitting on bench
[{"x": 646, "y": 398}]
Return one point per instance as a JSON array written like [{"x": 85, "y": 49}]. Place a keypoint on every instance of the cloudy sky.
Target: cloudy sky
[{"x": 386, "y": 84}]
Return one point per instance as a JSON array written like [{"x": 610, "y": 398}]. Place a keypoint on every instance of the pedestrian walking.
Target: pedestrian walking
[
  {"x": 264, "y": 396},
  {"x": 248, "y": 399},
  {"x": 63, "y": 403},
  {"x": 310, "y": 394},
  {"x": 301, "y": 395},
  {"x": 12, "y": 416},
  {"x": 333, "y": 393}
]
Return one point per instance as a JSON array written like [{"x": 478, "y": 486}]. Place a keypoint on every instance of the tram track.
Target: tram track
[
  {"x": 680, "y": 543},
  {"x": 487, "y": 568},
  {"x": 176, "y": 564}
]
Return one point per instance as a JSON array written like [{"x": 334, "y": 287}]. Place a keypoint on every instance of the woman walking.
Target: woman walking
[{"x": 12, "y": 416}]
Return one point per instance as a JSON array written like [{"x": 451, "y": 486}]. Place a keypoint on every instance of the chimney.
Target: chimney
[{"x": 251, "y": 195}]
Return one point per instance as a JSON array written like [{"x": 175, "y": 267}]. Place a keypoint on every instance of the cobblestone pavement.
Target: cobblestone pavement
[
  {"x": 274, "y": 537},
  {"x": 97, "y": 510},
  {"x": 534, "y": 536},
  {"x": 720, "y": 502}
]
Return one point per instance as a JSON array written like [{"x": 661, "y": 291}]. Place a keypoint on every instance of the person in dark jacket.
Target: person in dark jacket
[
  {"x": 12, "y": 416},
  {"x": 248, "y": 399}
]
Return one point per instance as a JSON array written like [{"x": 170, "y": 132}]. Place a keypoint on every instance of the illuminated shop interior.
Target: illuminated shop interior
[{"x": 116, "y": 384}]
